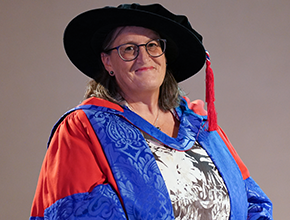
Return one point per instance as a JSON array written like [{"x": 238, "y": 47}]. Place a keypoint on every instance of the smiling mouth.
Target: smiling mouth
[{"x": 144, "y": 69}]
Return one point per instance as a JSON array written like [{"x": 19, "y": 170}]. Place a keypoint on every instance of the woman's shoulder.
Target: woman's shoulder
[
  {"x": 197, "y": 106},
  {"x": 101, "y": 103},
  {"x": 75, "y": 121},
  {"x": 71, "y": 124}
]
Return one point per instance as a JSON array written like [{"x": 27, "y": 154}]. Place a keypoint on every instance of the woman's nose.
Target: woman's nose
[{"x": 143, "y": 54}]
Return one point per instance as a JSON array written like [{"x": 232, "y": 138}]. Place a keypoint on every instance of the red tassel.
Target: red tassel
[{"x": 210, "y": 96}]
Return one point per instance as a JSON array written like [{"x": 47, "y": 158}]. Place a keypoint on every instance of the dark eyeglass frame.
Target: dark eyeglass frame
[{"x": 138, "y": 49}]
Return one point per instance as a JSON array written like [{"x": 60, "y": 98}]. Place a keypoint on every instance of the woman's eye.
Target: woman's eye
[
  {"x": 129, "y": 48},
  {"x": 152, "y": 45}
]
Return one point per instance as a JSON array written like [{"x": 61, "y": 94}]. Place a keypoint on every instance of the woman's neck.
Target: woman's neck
[
  {"x": 143, "y": 103},
  {"x": 147, "y": 107}
]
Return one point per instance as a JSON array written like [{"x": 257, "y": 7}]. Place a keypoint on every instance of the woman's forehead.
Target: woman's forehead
[{"x": 132, "y": 31}]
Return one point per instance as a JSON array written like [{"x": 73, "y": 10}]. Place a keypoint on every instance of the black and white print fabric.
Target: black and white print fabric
[{"x": 197, "y": 191}]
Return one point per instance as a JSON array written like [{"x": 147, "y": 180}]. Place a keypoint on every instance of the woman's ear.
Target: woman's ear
[{"x": 106, "y": 60}]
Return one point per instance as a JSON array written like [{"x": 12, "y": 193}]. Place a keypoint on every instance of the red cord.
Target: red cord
[{"x": 210, "y": 96}]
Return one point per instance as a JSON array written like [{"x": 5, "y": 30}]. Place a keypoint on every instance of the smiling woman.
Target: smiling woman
[
  {"x": 134, "y": 149},
  {"x": 140, "y": 77}
]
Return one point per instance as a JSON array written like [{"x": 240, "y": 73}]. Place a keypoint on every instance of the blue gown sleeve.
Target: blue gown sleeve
[
  {"x": 260, "y": 206},
  {"x": 101, "y": 203}
]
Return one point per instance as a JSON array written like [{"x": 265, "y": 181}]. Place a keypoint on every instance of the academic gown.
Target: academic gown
[{"x": 99, "y": 166}]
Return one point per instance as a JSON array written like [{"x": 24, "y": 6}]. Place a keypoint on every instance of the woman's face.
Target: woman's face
[{"x": 142, "y": 75}]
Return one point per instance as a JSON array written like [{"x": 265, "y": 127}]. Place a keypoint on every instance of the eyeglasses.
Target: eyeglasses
[{"x": 130, "y": 51}]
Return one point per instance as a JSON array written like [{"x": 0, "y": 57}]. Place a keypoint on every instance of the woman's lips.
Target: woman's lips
[{"x": 144, "y": 69}]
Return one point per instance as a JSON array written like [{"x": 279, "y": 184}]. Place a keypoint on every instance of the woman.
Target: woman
[{"x": 134, "y": 149}]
